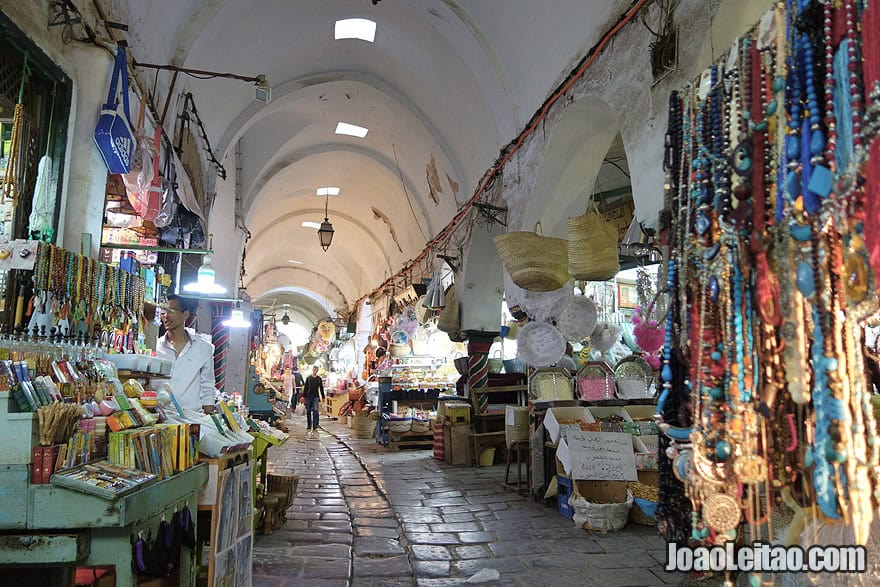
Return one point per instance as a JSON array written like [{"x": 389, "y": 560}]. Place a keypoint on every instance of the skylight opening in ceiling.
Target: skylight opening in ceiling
[
  {"x": 327, "y": 191},
  {"x": 355, "y": 28},
  {"x": 352, "y": 130},
  {"x": 315, "y": 225}
]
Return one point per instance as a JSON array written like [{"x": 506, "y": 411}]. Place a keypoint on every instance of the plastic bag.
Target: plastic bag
[
  {"x": 601, "y": 517},
  {"x": 300, "y": 409},
  {"x": 169, "y": 195},
  {"x": 140, "y": 174},
  {"x": 138, "y": 180}
]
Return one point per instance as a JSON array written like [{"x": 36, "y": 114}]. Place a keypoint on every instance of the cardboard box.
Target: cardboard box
[
  {"x": 554, "y": 415},
  {"x": 459, "y": 448},
  {"x": 560, "y": 468},
  {"x": 457, "y": 413},
  {"x": 649, "y": 477},
  {"x": 601, "y": 491},
  {"x": 641, "y": 413},
  {"x": 645, "y": 448}
]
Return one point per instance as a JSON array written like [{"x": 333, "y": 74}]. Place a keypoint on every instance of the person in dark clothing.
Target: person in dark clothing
[
  {"x": 297, "y": 388},
  {"x": 313, "y": 392}
]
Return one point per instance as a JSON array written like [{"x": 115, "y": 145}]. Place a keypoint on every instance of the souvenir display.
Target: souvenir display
[
  {"x": 595, "y": 381},
  {"x": 770, "y": 282},
  {"x": 87, "y": 298},
  {"x": 551, "y": 384},
  {"x": 103, "y": 479}
]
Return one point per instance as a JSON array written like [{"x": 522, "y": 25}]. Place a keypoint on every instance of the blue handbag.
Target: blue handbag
[{"x": 113, "y": 134}]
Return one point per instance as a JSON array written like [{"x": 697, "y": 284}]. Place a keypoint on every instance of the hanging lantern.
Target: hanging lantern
[{"x": 325, "y": 233}]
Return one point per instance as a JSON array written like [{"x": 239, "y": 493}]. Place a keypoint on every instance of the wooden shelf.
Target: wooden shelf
[{"x": 398, "y": 440}]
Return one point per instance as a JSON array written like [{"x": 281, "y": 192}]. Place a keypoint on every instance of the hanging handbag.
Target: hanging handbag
[{"x": 113, "y": 134}]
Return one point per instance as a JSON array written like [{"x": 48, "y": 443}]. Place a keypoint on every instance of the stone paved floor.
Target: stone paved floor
[{"x": 366, "y": 516}]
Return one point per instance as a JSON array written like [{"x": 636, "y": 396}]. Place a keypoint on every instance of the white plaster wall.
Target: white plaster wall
[
  {"x": 84, "y": 174},
  {"x": 480, "y": 286},
  {"x": 621, "y": 77},
  {"x": 228, "y": 241}
]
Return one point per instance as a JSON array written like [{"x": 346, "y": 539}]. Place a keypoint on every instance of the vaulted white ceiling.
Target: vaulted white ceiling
[{"x": 445, "y": 85}]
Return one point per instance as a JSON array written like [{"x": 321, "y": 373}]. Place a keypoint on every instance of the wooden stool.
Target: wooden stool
[
  {"x": 284, "y": 484},
  {"x": 481, "y": 440},
  {"x": 517, "y": 447},
  {"x": 269, "y": 504},
  {"x": 279, "y": 515}
]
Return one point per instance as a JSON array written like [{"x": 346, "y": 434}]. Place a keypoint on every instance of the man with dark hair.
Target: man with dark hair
[
  {"x": 192, "y": 374},
  {"x": 312, "y": 390}
]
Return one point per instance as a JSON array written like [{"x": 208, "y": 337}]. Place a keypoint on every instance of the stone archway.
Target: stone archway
[{"x": 572, "y": 161}]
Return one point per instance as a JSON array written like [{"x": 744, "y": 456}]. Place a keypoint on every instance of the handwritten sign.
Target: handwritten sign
[{"x": 601, "y": 456}]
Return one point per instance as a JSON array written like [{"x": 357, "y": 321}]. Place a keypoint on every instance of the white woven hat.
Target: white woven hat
[
  {"x": 539, "y": 344},
  {"x": 576, "y": 317},
  {"x": 605, "y": 336}
]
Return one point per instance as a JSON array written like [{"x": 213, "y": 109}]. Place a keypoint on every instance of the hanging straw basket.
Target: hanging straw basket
[
  {"x": 534, "y": 262},
  {"x": 592, "y": 247},
  {"x": 450, "y": 316}
]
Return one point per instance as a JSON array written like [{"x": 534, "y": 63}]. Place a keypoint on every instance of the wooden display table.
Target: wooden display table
[{"x": 77, "y": 529}]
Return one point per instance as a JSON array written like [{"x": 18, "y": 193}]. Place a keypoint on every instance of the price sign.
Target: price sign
[{"x": 601, "y": 456}]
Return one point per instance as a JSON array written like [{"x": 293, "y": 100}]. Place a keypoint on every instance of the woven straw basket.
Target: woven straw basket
[
  {"x": 450, "y": 316},
  {"x": 534, "y": 262},
  {"x": 592, "y": 248}
]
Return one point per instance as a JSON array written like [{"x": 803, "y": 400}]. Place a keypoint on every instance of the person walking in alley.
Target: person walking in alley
[{"x": 313, "y": 392}]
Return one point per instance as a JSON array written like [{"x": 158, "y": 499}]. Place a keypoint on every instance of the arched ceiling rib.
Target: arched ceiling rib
[
  {"x": 353, "y": 263},
  {"x": 293, "y": 221},
  {"x": 367, "y": 176},
  {"x": 447, "y": 83},
  {"x": 306, "y": 280},
  {"x": 309, "y": 302}
]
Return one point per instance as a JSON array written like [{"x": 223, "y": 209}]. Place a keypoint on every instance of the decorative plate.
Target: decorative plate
[
  {"x": 399, "y": 337},
  {"x": 576, "y": 317},
  {"x": 539, "y": 344}
]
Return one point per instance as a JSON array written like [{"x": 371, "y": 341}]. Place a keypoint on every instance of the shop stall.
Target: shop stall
[
  {"x": 771, "y": 225},
  {"x": 415, "y": 372},
  {"x": 102, "y": 470}
]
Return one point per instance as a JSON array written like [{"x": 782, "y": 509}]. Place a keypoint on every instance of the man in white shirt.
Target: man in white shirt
[{"x": 192, "y": 374}]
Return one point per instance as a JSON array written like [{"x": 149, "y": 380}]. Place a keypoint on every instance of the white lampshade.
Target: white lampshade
[
  {"x": 237, "y": 320},
  {"x": 205, "y": 280}
]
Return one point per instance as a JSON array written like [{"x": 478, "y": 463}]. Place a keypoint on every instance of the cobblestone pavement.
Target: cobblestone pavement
[{"x": 366, "y": 516}]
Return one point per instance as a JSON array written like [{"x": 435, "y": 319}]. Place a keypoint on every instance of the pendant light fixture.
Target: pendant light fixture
[
  {"x": 236, "y": 320},
  {"x": 204, "y": 283},
  {"x": 285, "y": 319},
  {"x": 325, "y": 233}
]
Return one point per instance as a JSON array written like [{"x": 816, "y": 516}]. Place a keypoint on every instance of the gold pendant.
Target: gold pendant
[
  {"x": 856, "y": 277},
  {"x": 750, "y": 469},
  {"x": 722, "y": 512}
]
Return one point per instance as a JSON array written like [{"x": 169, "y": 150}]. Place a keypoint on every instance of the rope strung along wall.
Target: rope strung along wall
[{"x": 510, "y": 150}]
